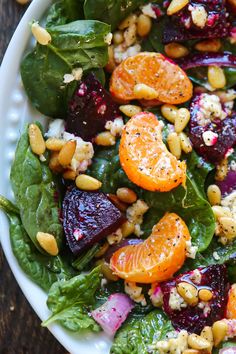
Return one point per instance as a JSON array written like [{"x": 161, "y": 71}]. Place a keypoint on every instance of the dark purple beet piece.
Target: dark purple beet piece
[
  {"x": 206, "y": 59},
  {"x": 88, "y": 217},
  {"x": 226, "y": 130},
  {"x": 90, "y": 108},
  {"x": 193, "y": 319},
  {"x": 117, "y": 246},
  {"x": 180, "y": 26},
  {"x": 228, "y": 185}
]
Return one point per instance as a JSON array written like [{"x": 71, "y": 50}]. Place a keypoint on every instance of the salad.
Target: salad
[{"x": 125, "y": 204}]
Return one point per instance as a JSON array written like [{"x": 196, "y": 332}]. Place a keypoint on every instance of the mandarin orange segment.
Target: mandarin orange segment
[
  {"x": 154, "y": 70},
  {"x": 156, "y": 259},
  {"x": 145, "y": 158},
  {"x": 231, "y": 305}
]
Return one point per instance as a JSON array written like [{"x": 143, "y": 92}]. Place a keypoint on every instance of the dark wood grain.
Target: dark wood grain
[{"x": 20, "y": 330}]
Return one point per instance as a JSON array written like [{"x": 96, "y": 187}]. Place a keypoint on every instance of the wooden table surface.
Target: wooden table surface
[{"x": 20, "y": 330}]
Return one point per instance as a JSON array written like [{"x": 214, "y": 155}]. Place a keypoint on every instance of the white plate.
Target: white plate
[{"x": 14, "y": 112}]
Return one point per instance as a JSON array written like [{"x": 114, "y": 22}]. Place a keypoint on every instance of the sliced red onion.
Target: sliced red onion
[
  {"x": 228, "y": 185},
  {"x": 206, "y": 59},
  {"x": 228, "y": 350},
  {"x": 117, "y": 246},
  {"x": 113, "y": 312}
]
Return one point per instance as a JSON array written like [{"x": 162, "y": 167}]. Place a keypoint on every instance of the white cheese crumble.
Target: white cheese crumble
[
  {"x": 135, "y": 293},
  {"x": 216, "y": 256},
  {"x": 108, "y": 38},
  {"x": 229, "y": 202},
  {"x": 121, "y": 52},
  {"x": 56, "y": 129},
  {"x": 176, "y": 302},
  {"x": 115, "y": 237},
  {"x": 148, "y": 11},
  {"x": 191, "y": 250},
  {"x": 199, "y": 15},
  {"x": 67, "y": 78},
  {"x": 210, "y": 138},
  {"x": 175, "y": 345},
  {"x": 232, "y": 166},
  {"x": 135, "y": 214},
  {"x": 156, "y": 295},
  {"x": 76, "y": 74},
  {"x": 196, "y": 277},
  {"x": 205, "y": 307},
  {"x": 210, "y": 108},
  {"x": 115, "y": 127}
]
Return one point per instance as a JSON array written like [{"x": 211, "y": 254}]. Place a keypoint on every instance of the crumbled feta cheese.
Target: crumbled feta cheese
[
  {"x": 210, "y": 138},
  {"x": 42, "y": 158},
  {"x": 103, "y": 282},
  {"x": 175, "y": 345},
  {"x": 148, "y": 11},
  {"x": 229, "y": 202},
  {"x": 77, "y": 73},
  {"x": 191, "y": 250},
  {"x": 196, "y": 276},
  {"x": 56, "y": 129},
  {"x": 115, "y": 126},
  {"x": 210, "y": 108},
  {"x": 135, "y": 293},
  {"x": 121, "y": 52},
  {"x": 199, "y": 15},
  {"x": 216, "y": 256},
  {"x": 156, "y": 295},
  {"x": 108, "y": 38},
  {"x": 205, "y": 307},
  {"x": 67, "y": 78},
  {"x": 135, "y": 215},
  {"x": 232, "y": 166},
  {"x": 176, "y": 302},
  {"x": 115, "y": 237}
]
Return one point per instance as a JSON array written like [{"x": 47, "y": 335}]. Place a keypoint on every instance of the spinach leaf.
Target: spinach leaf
[
  {"x": 199, "y": 76},
  {"x": 138, "y": 334},
  {"x": 83, "y": 260},
  {"x": 76, "y": 44},
  {"x": 35, "y": 193},
  {"x": 65, "y": 11},
  {"x": 43, "y": 270},
  {"x": 153, "y": 42},
  {"x": 68, "y": 301}
]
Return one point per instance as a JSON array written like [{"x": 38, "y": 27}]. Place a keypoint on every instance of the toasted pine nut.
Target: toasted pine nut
[
  {"x": 23, "y": 2},
  {"x": 126, "y": 195},
  {"x": 41, "y": 35},
  {"x": 130, "y": 35},
  {"x": 36, "y": 140},
  {"x": 105, "y": 139},
  {"x": 228, "y": 226},
  {"x": 144, "y": 25},
  {"x": 191, "y": 351},
  {"x": 173, "y": 141},
  {"x": 182, "y": 119},
  {"x": 111, "y": 65},
  {"x": 67, "y": 152},
  {"x": 118, "y": 37},
  {"x": 145, "y": 92},
  {"x": 102, "y": 250},
  {"x": 220, "y": 211},
  {"x": 128, "y": 21},
  {"x": 116, "y": 201},
  {"x": 169, "y": 112},
  {"x": 175, "y": 6},
  {"x": 69, "y": 174},
  {"x": 199, "y": 16},
  {"x": 189, "y": 293},
  {"x": 106, "y": 270},
  {"x": 127, "y": 228},
  {"x": 219, "y": 330},
  {"x": 214, "y": 194},
  {"x": 55, "y": 144},
  {"x": 48, "y": 243},
  {"x": 209, "y": 45},
  {"x": 185, "y": 143},
  {"x": 216, "y": 77},
  {"x": 163, "y": 346},
  {"x": 207, "y": 334},
  {"x": 87, "y": 183},
  {"x": 197, "y": 342},
  {"x": 130, "y": 110},
  {"x": 176, "y": 50},
  {"x": 54, "y": 164},
  {"x": 205, "y": 295},
  {"x": 221, "y": 170},
  {"x": 226, "y": 96}
]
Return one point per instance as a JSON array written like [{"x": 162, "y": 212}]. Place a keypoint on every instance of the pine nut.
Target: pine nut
[
  {"x": 128, "y": 21},
  {"x": 127, "y": 228},
  {"x": 176, "y": 50},
  {"x": 69, "y": 174},
  {"x": 216, "y": 77},
  {"x": 209, "y": 45},
  {"x": 197, "y": 342},
  {"x": 219, "y": 330},
  {"x": 189, "y": 293},
  {"x": 199, "y": 16},
  {"x": 23, "y": 2},
  {"x": 67, "y": 152},
  {"x": 55, "y": 144},
  {"x": 175, "y": 6},
  {"x": 214, "y": 194},
  {"x": 182, "y": 119},
  {"x": 130, "y": 110},
  {"x": 48, "y": 243},
  {"x": 118, "y": 37},
  {"x": 220, "y": 211},
  {"x": 169, "y": 112},
  {"x": 207, "y": 334},
  {"x": 54, "y": 164},
  {"x": 173, "y": 141},
  {"x": 36, "y": 140},
  {"x": 102, "y": 250},
  {"x": 205, "y": 295},
  {"x": 145, "y": 92},
  {"x": 191, "y": 351},
  {"x": 116, "y": 201},
  {"x": 105, "y": 139},
  {"x": 126, "y": 195},
  {"x": 228, "y": 226},
  {"x": 163, "y": 346},
  {"x": 130, "y": 35},
  {"x": 144, "y": 25},
  {"x": 87, "y": 183},
  {"x": 41, "y": 35},
  {"x": 111, "y": 65},
  {"x": 221, "y": 170},
  {"x": 185, "y": 143}
]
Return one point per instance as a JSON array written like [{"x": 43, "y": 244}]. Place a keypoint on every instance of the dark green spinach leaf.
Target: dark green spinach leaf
[
  {"x": 35, "y": 193},
  {"x": 65, "y": 11},
  {"x": 69, "y": 301},
  {"x": 84, "y": 259}
]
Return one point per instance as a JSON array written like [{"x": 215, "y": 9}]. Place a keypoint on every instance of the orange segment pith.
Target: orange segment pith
[
  {"x": 231, "y": 305},
  {"x": 156, "y": 259},
  {"x": 145, "y": 158},
  {"x": 154, "y": 70}
]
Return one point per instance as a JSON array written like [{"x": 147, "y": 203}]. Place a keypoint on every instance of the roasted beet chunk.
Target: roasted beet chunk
[
  {"x": 90, "y": 108},
  {"x": 212, "y": 127},
  {"x": 195, "y": 318},
  {"x": 199, "y": 19},
  {"x": 88, "y": 217}
]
